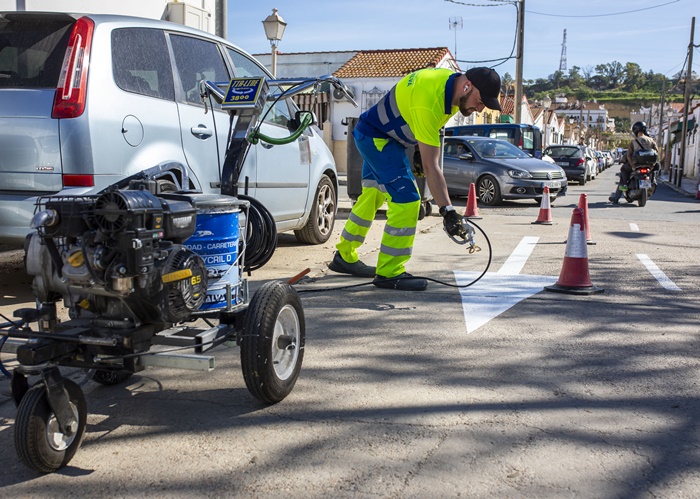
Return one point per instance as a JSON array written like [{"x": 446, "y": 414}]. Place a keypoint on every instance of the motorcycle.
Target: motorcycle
[{"x": 641, "y": 185}]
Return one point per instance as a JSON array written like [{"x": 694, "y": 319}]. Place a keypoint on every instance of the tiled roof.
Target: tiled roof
[
  {"x": 394, "y": 63},
  {"x": 507, "y": 104}
]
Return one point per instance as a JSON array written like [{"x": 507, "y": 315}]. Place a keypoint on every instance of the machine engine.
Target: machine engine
[{"x": 118, "y": 257}]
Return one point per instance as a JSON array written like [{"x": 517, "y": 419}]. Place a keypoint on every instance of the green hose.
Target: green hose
[{"x": 256, "y": 136}]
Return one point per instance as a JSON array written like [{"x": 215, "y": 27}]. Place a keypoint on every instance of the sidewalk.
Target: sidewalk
[{"x": 688, "y": 185}]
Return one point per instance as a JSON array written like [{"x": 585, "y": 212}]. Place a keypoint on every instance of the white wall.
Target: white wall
[
  {"x": 153, "y": 9},
  {"x": 305, "y": 64}
]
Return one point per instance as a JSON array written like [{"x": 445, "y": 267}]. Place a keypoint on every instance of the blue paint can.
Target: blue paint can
[{"x": 216, "y": 239}]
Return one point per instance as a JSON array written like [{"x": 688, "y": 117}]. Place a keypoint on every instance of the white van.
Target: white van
[{"x": 86, "y": 100}]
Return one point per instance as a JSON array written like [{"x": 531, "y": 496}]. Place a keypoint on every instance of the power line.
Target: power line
[{"x": 601, "y": 15}]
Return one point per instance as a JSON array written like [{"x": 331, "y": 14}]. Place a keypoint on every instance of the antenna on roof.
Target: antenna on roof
[
  {"x": 456, "y": 23},
  {"x": 562, "y": 60}
]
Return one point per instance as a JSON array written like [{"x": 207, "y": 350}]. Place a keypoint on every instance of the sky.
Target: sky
[{"x": 656, "y": 38}]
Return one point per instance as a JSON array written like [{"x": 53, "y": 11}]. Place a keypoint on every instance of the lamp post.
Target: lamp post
[{"x": 274, "y": 29}]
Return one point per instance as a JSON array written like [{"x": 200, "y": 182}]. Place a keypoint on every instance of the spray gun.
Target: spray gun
[{"x": 465, "y": 235}]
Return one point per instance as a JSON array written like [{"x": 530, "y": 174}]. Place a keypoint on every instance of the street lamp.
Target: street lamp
[{"x": 274, "y": 29}]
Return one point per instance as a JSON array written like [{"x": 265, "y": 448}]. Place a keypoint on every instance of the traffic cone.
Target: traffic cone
[
  {"x": 574, "y": 278},
  {"x": 545, "y": 215},
  {"x": 583, "y": 204},
  {"x": 472, "y": 210}
]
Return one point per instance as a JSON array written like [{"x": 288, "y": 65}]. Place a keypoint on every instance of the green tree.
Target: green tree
[{"x": 634, "y": 76}]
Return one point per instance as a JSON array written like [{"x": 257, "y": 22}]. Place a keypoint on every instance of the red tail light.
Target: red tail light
[
  {"x": 78, "y": 181},
  {"x": 580, "y": 162},
  {"x": 644, "y": 170},
  {"x": 69, "y": 101}
]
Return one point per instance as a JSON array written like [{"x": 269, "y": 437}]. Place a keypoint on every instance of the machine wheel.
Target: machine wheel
[
  {"x": 272, "y": 346},
  {"x": 322, "y": 217},
  {"x": 643, "y": 196},
  {"x": 108, "y": 377},
  {"x": 488, "y": 191},
  {"x": 428, "y": 208},
  {"x": 38, "y": 441},
  {"x": 421, "y": 211}
]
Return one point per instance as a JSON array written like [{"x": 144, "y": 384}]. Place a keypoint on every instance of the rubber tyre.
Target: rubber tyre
[
  {"x": 270, "y": 369},
  {"x": 421, "y": 211},
  {"x": 319, "y": 226},
  {"x": 488, "y": 191},
  {"x": 36, "y": 422},
  {"x": 643, "y": 196},
  {"x": 108, "y": 377},
  {"x": 428, "y": 208},
  {"x": 582, "y": 181}
]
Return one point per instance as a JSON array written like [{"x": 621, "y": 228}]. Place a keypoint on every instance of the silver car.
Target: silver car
[
  {"x": 86, "y": 100},
  {"x": 499, "y": 171}
]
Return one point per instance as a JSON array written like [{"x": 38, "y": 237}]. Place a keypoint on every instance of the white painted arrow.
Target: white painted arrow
[{"x": 497, "y": 292}]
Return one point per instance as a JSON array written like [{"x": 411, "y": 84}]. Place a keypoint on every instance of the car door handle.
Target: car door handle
[{"x": 201, "y": 132}]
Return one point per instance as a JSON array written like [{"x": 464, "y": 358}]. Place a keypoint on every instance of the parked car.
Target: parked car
[
  {"x": 499, "y": 171},
  {"x": 577, "y": 161},
  {"x": 86, "y": 100},
  {"x": 526, "y": 137}
]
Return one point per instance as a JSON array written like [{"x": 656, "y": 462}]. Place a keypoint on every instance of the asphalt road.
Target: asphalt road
[{"x": 401, "y": 395}]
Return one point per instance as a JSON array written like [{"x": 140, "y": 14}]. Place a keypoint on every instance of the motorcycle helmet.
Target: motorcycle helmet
[{"x": 639, "y": 126}]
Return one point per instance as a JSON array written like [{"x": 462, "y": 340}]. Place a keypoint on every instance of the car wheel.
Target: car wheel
[
  {"x": 488, "y": 191},
  {"x": 582, "y": 180},
  {"x": 319, "y": 227}
]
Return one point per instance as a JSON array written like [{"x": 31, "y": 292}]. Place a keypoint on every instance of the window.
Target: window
[
  {"x": 528, "y": 139},
  {"x": 196, "y": 60},
  {"x": 243, "y": 67},
  {"x": 31, "y": 53},
  {"x": 141, "y": 62}
]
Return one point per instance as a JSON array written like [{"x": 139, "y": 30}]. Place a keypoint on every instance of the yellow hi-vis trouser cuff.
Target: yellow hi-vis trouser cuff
[
  {"x": 397, "y": 241},
  {"x": 399, "y": 231},
  {"x": 359, "y": 222}
]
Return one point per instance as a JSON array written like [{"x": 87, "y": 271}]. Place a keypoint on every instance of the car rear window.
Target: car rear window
[
  {"x": 141, "y": 62},
  {"x": 32, "y": 51},
  {"x": 564, "y": 152}
]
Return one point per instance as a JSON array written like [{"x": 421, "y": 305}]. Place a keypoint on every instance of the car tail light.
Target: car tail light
[
  {"x": 69, "y": 101},
  {"x": 78, "y": 180},
  {"x": 580, "y": 162}
]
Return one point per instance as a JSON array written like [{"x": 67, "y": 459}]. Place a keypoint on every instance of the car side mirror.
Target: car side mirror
[
  {"x": 467, "y": 156},
  {"x": 295, "y": 122}
]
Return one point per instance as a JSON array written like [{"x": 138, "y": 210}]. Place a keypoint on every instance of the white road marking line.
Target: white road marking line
[
  {"x": 497, "y": 292},
  {"x": 658, "y": 273},
  {"x": 516, "y": 261},
  {"x": 634, "y": 227}
]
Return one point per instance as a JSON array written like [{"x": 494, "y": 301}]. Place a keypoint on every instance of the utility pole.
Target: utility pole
[
  {"x": 519, "y": 63},
  {"x": 686, "y": 107},
  {"x": 660, "y": 135}
]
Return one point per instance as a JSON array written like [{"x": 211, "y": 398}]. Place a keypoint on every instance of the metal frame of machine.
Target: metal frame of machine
[{"x": 121, "y": 262}]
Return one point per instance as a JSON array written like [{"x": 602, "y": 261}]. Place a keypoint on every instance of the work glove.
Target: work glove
[{"x": 452, "y": 222}]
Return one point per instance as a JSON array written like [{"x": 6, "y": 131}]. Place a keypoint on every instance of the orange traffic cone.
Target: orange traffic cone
[
  {"x": 472, "y": 210},
  {"x": 574, "y": 278},
  {"x": 583, "y": 204},
  {"x": 545, "y": 216}
]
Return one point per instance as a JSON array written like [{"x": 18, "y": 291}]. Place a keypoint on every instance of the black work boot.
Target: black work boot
[
  {"x": 403, "y": 282},
  {"x": 358, "y": 269}
]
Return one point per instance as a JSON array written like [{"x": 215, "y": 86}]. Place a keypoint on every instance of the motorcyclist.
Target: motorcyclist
[{"x": 641, "y": 141}]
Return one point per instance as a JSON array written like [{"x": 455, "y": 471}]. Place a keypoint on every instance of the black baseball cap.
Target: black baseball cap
[{"x": 489, "y": 84}]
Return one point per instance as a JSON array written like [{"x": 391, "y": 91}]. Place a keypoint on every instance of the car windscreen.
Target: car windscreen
[
  {"x": 563, "y": 152},
  {"x": 32, "y": 51},
  {"x": 497, "y": 149}
]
